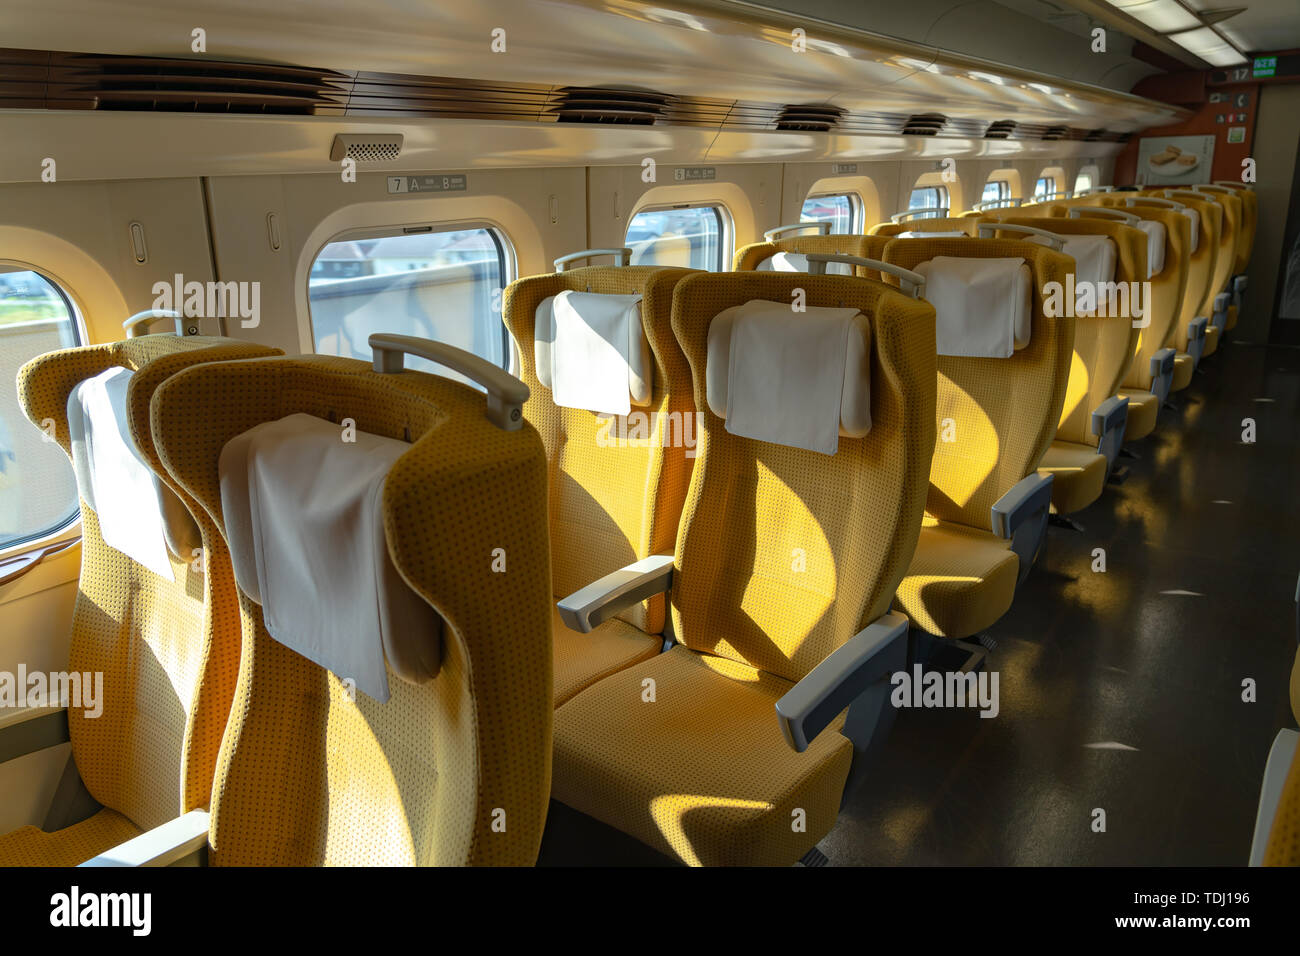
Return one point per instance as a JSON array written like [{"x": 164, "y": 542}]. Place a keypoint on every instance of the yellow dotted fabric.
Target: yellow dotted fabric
[
  {"x": 71, "y": 846},
  {"x": 961, "y": 580},
  {"x": 702, "y": 772},
  {"x": 1004, "y": 412},
  {"x": 967, "y": 223},
  {"x": 1229, "y": 240},
  {"x": 1143, "y": 410},
  {"x": 1078, "y": 475},
  {"x": 583, "y": 659},
  {"x": 167, "y": 650},
  {"x": 611, "y": 502},
  {"x": 455, "y": 771},
  {"x": 749, "y": 257},
  {"x": 1200, "y": 265},
  {"x": 1283, "y": 847},
  {"x": 785, "y": 553}
]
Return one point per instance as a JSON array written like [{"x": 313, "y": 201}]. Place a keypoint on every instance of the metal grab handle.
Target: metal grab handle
[
  {"x": 1232, "y": 184},
  {"x": 1212, "y": 190},
  {"x": 1154, "y": 200},
  {"x": 138, "y": 324},
  {"x": 1009, "y": 202},
  {"x": 1187, "y": 194},
  {"x": 913, "y": 283},
  {"x": 914, "y": 213},
  {"x": 822, "y": 226},
  {"x": 1103, "y": 212},
  {"x": 505, "y": 393},
  {"x": 624, "y": 254},
  {"x": 986, "y": 230}
]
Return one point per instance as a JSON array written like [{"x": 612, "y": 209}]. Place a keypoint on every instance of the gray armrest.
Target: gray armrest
[
  {"x": 1221, "y": 303},
  {"x": 1021, "y": 515},
  {"x": 1162, "y": 373},
  {"x": 1239, "y": 284},
  {"x": 162, "y": 846},
  {"x": 25, "y": 730},
  {"x": 1196, "y": 338},
  {"x": 810, "y": 705},
  {"x": 1108, "y": 421},
  {"x": 587, "y": 608}
]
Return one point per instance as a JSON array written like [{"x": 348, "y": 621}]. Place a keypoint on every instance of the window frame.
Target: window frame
[
  {"x": 506, "y": 257},
  {"x": 857, "y": 210},
  {"x": 726, "y": 227},
  {"x": 1048, "y": 195},
  {"x": 69, "y": 528},
  {"x": 940, "y": 190}
]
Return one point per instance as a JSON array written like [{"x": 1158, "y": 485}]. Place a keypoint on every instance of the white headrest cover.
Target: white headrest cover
[
  {"x": 1195, "y": 218},
  {"x": 133, "y": 506},
  {"x": 1155, "y": 245},
  {"x": 304, "y": 519},
  {"x": 922, "y": 234},
  {"x": 793, "y": 378},
  {"x": 982, "y": 307},
  {"x": 592, "y": 352},
  {"x": 1094, "y": 263},
  {"x": 798, "y": 262}
]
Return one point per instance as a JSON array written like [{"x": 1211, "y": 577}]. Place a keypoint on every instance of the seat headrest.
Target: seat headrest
[
  {"x": 1094, "y": 261},
  {"x": 592, "y": 352},
  {"x": 983, "y": 307},
  {"x": 1156, "y": 235},
  {"x": 303, "y": 506},
  {"x": 801, "y": 379},
  {"x": 798, "y": 262},
  {"x": 138, "y": 514}
]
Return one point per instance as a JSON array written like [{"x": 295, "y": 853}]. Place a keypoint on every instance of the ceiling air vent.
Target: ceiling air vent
[
  {"x": 367, "y": 147},
  {"x": 1094, "y": 136},
  {"x": 577, "y": 104},
  {"x": 814, "y": 119},
  {"x": 924, "y": 124},
  {"x": 1055, "y": 132},
  {"x": 1002, "y": 129}
]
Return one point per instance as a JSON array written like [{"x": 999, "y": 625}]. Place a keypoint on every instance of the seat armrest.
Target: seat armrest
[
  {"x": 1221, "y": 303},
  {"x": 1239, "y": 284},
  {"x": 1162, "y": 373},
  {"x": 589, "y": 607},
  {"x": 1020, "y": 516},
  {"x": 809, "y": 706},
  {"x": 164, "y": 845},
  {"x": 1196, "y": 338},
  {"x": 25, "y": 730},
  {"x": 1108, "y": 421}
]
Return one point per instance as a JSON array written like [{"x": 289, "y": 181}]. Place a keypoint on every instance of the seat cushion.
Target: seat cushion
[
  {"x": 960, "y": 581},
  {"x": 1143, "y": 410},
  {"x": 583, "y": 659},
  {"x": 1183, "y": 369},
  {"x": 32, "y": 846},
  {"x": 1078, "y": 475},
  {"x": 702, "y": 773},
  {"x": 1283, "y": 848},
  {"x": 1232, "y": 318}
]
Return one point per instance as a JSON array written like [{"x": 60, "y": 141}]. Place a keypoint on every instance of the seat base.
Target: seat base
[
  {"x": 32, "y": 846},
  {"x": 1143, "y": 412},
  {"x": 700, "y": 772},
  {"x": 1211, "y": 340},
  {"x": 583, "y": 659},
  {"x": 960, "y": 581},
  {"x": 1078, "y": 475},
  {"x": 1183, "y": 369}
]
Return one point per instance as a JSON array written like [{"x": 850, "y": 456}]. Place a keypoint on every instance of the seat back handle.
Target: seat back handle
[
  {"x": 1133, "y": 201},
  {"x": 1102, "y": 212},
  {"x": 919, "y": 213},
  {"x": 139, "y": 323},
  {"x": 986, "y": 230},
  {"x": 624, "y": 256},
  {"x": 912, "y": 283},
  {"x": 505, "y": 393},
  {"x": 822, "y": 226}
]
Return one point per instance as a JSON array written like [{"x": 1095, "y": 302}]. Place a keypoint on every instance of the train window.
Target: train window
[
  {"x": 688, "y": 236},
  {"x": 996, "y": 191},
  {"x": 842, "y": 211},
  {"x": 1082, "y": 183},
  {"x": 1045, "y": 188},
  {"x": 38, "y": 492},
  {"x": 929, "y": 197},
  {"x": 441, "y": 284}
]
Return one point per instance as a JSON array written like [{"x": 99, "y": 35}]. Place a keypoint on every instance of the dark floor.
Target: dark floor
[{"x": 1120, "y": 691}]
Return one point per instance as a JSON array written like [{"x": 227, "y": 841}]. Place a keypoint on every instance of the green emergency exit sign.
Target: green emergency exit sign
[{"x": 1265, "y": 66}]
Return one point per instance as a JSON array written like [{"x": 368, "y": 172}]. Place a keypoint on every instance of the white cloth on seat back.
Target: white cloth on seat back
[
  {"x": 1155, "y": 245},
  {"x": 982, "y": 306},
  {"x": 304, "y": 521},
  {"x": 792, "y": 378},
  {"x": 592, "y": 352},
  {"x": 112, "y": 478},
  {"x": 1194, "y": 218},
  {"x": 798, "y": 262},
  {"x": 1094, "y": 263}
]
